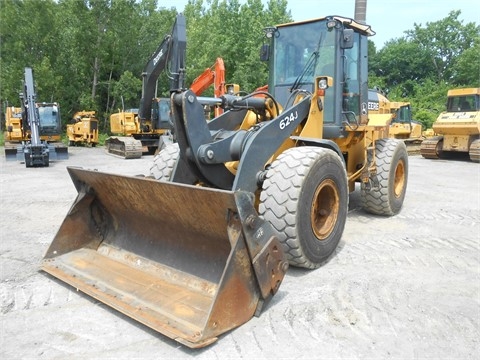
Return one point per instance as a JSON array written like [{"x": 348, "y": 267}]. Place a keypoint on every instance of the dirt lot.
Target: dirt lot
[{"x": 405, "y": 287}]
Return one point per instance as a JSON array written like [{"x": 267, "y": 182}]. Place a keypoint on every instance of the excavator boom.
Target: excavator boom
[
  {"x": 34, "y": 151},
  {"x": 147, "y": 126}
]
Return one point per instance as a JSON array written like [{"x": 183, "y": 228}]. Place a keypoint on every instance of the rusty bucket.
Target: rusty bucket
[{"x": 187, "y": 261}]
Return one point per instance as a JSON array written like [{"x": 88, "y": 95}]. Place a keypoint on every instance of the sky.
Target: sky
[{"x": 388, "y": 18}]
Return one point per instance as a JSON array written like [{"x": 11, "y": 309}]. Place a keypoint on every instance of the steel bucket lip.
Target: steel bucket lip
[{"x": 149, "y": 299}]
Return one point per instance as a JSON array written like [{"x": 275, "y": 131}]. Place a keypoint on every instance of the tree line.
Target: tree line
[{"x": 89, "y": 54}]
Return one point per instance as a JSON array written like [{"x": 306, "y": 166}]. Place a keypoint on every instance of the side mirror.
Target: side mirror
[
  {"x": 347, "y": 39},
  {"x": 265, "y": 52}
]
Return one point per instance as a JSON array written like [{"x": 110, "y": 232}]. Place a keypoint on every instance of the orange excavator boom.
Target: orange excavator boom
[{"x": 213, "y": 75}]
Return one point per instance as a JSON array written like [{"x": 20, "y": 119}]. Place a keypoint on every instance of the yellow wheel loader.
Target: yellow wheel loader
[
  {"x": 196, "y": 247},
  {"x": 457, "y": 129}
]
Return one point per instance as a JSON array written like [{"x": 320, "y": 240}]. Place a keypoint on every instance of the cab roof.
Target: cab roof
[{"x": 351, "y": 23}]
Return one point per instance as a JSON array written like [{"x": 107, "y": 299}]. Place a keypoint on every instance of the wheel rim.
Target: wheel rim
[
  {"x": 325, "y": 209},
  {"x": 399, "y": 181}
]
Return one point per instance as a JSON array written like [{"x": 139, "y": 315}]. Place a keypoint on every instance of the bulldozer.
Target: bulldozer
[
  {"x": 457, "y": 130},
  {"x": 83, "y": 129},
  {"x": 401, "y": 124},
  {"x": 200, "y": 244}
]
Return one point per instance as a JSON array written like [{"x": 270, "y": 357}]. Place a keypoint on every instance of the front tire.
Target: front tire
[
  {"x": 164, "y": 162},
  {"x": 392, "y": 174},
  {"x": 305, "y": 198}
]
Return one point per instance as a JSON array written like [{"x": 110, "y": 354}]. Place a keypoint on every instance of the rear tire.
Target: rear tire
[
  {"x": 305, "y": 198},
  {"x": 392, "y": 173},
  {"x": 164, "y": 162}
]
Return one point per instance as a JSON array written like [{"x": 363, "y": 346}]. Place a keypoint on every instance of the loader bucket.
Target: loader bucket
[{"x": 189, "y": 262}]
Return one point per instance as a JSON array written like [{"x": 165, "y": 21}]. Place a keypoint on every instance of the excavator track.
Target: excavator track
[
  {"x": 432, "y": 148},
  {"x": 124, "y": 146},
  {"x": 474, "y": 151}
]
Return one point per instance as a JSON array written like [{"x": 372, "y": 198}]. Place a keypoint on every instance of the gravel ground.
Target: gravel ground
[{"x": 404, "y": 287}]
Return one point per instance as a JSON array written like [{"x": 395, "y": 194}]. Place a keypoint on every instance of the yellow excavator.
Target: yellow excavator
[
  {"x": 33, "y": 131},
  {"x": 140, "y": 131},
  {"x": 457, "y": 129},
  {"x": 147, "y": 129},
  {"x": 197, "y": 247},
  {"x": 18, "y": 130}
]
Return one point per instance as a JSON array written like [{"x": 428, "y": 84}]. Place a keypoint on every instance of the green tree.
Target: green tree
[
  {"x": 127, "y": 89},
  {"x": 466, "y": 70},
  {"x": 401, "y": 60},
  {"x": 29, "y": 39},
  {"x": 443, "y": 42}
]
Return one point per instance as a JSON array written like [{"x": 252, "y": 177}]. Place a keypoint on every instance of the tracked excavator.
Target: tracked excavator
[
  {"x": 146, "y": 128},
  {"x": 457, "y": 130},
  {"x": 49, "y": 126},
  {"x": 34, "y": 151},
  {"x": 200, "y": 244},
  {"x": 142, "y": 129}
]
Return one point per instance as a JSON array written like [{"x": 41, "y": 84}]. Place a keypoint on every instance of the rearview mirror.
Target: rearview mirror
[
  {"x": 265, "y": 52},
  {"x": 347, "y": 39}
]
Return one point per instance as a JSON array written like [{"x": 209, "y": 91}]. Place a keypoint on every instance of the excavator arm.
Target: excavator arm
[
  {"x": 35, "y": 151},
  {"x": 213, "y": 75},
  {"x": 29, "y": 109},
  {"x": 169, "y": 56}
]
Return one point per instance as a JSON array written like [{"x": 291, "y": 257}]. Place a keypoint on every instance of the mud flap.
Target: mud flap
[{"x": 189, "y": 262}]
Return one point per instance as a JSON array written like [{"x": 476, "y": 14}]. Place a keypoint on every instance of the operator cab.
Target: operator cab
[
  {"x": 50, "y": 123},
  {"x": 333, "y": 46},
  {"x": 463, "y": 103}
]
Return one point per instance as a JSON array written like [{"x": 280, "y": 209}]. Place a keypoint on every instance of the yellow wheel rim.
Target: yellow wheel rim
[{"x": 325, "y": 209}]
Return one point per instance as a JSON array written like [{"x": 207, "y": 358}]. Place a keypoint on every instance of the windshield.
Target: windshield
[
  {"x": 48, "y": 115},
  {"x": 463, "y": 103},
  {"x": 301, "y": 52},
  {"x": 403, "y": 114}
]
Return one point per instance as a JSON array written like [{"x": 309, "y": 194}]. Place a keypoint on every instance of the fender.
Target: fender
[{"x": 324, "y": 143}]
